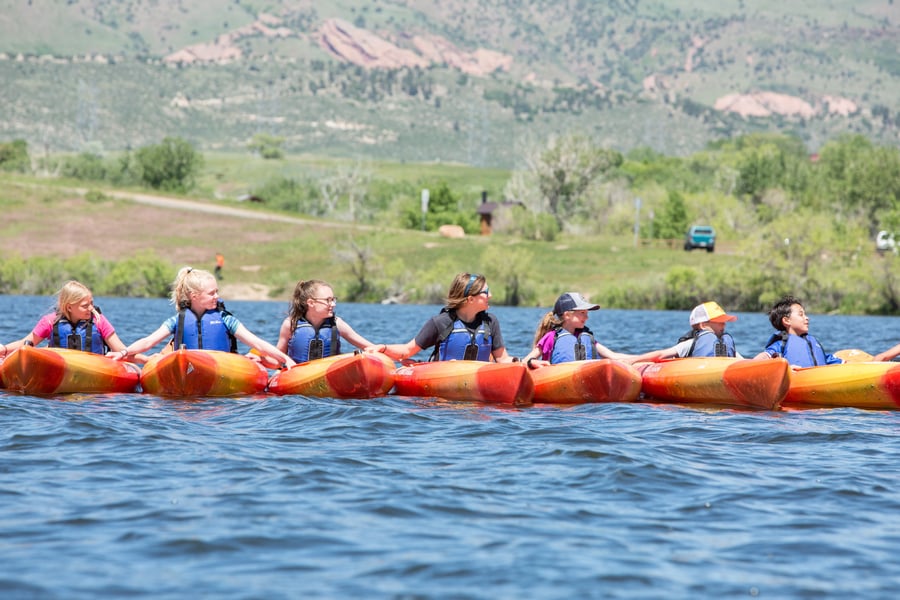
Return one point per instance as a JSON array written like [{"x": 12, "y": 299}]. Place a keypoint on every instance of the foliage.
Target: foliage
[
  {"x": 672, "y": 222},
  {"x": 509, "y": 271},
  {"x": 285, "y": 193},
  {"x": 14, "y": 156},
  {"x": 138, "y": 276},
  {"x": 267, "y": 146},
  {"x": 563, "y": 171},
  {"x": 171, "y": 165},
  {"x": 86, "y": 166},
  {"x": 444, "y": 208}
]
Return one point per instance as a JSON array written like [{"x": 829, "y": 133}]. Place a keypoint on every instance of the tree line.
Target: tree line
[{"x": 794, "y": 221}]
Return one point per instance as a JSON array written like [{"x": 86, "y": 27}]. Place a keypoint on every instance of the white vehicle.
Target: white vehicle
[{"x": 884, "y": 242}]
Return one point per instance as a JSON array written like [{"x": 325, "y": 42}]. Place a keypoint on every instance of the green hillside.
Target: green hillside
[{"x": 477, "y": 82}]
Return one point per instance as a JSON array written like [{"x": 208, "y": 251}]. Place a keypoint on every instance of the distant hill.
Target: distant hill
[{"x": 472, "y": 81}]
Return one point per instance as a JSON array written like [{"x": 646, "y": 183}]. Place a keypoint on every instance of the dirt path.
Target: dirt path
[
  {"x": 218, "y": 209},
  {"x": 47, "y": 223}
]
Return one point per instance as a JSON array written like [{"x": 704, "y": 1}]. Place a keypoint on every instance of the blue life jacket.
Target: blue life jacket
[
  {"x": 207, "y": 333},
  {"x": 308, "y": 343},
  {"x": 65, "y": 336},
  {"x": 568, "y": 347},
  {"x": 800, "y": 350},
  {"x": 707, "y": 343},
  {"x": 458, "y": 342}
]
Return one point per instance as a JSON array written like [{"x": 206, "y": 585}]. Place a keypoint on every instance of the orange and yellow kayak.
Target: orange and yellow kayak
[
  {"x": 872, "y": 385},
  {"x": 46, "y": 371},
  {"x": 472, "y": 380},
  {"x": 357, "y": 375},
  {"x": 743, "y": 383},
  {"x": 586, "y": 381},
  {"x": 191, "y": 373}
]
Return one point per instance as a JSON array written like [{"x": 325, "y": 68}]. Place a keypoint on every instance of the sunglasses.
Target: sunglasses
[{"x": 472, "y": 279}]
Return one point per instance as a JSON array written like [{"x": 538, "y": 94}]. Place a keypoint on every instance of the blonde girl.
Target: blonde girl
[
  {"x": 201, "y": 321},
  {"x": 76, "y": 323}
]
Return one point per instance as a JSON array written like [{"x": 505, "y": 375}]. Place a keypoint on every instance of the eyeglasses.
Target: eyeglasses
[
  {"x": 331, "y": 300},
  {"x": 486, "y": 291}
]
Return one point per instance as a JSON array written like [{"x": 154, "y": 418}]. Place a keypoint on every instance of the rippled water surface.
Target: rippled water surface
[{"x": 294, "y": 497}]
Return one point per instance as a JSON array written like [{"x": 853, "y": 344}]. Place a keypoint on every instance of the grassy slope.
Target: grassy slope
[{"x": 42, "y": 218}]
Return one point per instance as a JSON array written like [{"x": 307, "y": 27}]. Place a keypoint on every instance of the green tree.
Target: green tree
[
  {"x": 14, "y": 156},
  {"x": 171, "y": 165},
  {"x": 562, "y": 173},
  {"x": 267, "y": 146},
  {"x": 673, "y": 220}
]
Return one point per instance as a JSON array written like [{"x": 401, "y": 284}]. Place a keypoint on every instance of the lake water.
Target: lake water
[{"x": 133, "y": 496}]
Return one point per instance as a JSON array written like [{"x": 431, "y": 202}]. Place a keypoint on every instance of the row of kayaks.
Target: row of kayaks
[{"x": 748, "y": 384}]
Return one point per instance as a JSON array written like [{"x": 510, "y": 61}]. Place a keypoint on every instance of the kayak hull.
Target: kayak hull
[
  {"x": 49, "y": 371},
  {"x": 586, "y": 381},
  {"x": 742, "y": 383},
  {"x": 192, "y": 373},
  {"x": 869, "y": 385},
  {"x": 467, "y": 380},
  {"x": 359, "y": 375}
]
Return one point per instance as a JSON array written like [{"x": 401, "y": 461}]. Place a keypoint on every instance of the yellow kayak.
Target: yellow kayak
[
  {"x": 47, "y": 371},
  {"x": 586, "y": 381},
  {"x": 357, "y": 375},
  {"x": 873, "y": 385},
  {"x": 192, "y": 373},
  {"x": 743, "y": 383}
]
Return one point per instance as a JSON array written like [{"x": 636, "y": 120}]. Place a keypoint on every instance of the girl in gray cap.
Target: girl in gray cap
[{"x": 562, "y": 335}]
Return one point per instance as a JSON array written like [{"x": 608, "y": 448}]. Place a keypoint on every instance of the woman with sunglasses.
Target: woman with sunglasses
[
  {"x": 463, "y": 330},
  {"x": 311, "y": 329}
]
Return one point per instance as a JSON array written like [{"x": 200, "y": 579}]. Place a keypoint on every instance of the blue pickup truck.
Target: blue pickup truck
[{"x": 700, "y": 236}]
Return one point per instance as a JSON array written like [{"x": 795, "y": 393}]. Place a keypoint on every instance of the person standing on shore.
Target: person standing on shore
[{"x": 220, "y": 263}]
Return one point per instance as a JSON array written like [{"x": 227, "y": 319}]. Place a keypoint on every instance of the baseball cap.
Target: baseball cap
[
  {"x": 710, "y": 311},
  {"x": 572, "y": 301}
]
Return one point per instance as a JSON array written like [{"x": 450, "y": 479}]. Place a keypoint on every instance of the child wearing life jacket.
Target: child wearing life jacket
[
  {"x": 76, "y": 323},
  {"x": 793, "y": 340},
  {"x": 463, "y": 330},
  {"x": 706, "y": 337},
  {"x": 311, "y": 329},
  {"x": 562, "y": 335},
  {"x": 202, "y": 321}
]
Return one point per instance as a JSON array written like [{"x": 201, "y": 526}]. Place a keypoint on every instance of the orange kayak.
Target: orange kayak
[
  {"x": 586, "y": 381},
  {"x": 45, "y": 371},
  {"x": 357, "y": 375},
  {"x": 472, "y": 380},
  {"x": 872, "y": 385},
  {"x": 743, "y": 383},
  {"x": 192, "y": 373}
]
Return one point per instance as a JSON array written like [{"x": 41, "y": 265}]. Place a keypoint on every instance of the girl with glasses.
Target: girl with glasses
[{"x": 311, "y": 329}]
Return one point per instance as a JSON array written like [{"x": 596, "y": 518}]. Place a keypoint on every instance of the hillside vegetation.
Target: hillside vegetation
[
  {"x": 584, "y": 218},
  {"x": 473, "y": 81}
]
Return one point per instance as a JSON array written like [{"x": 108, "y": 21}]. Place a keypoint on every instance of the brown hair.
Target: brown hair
[
  {"x": 463, "y": 286},
  {"x": 303, "y": 291}
]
